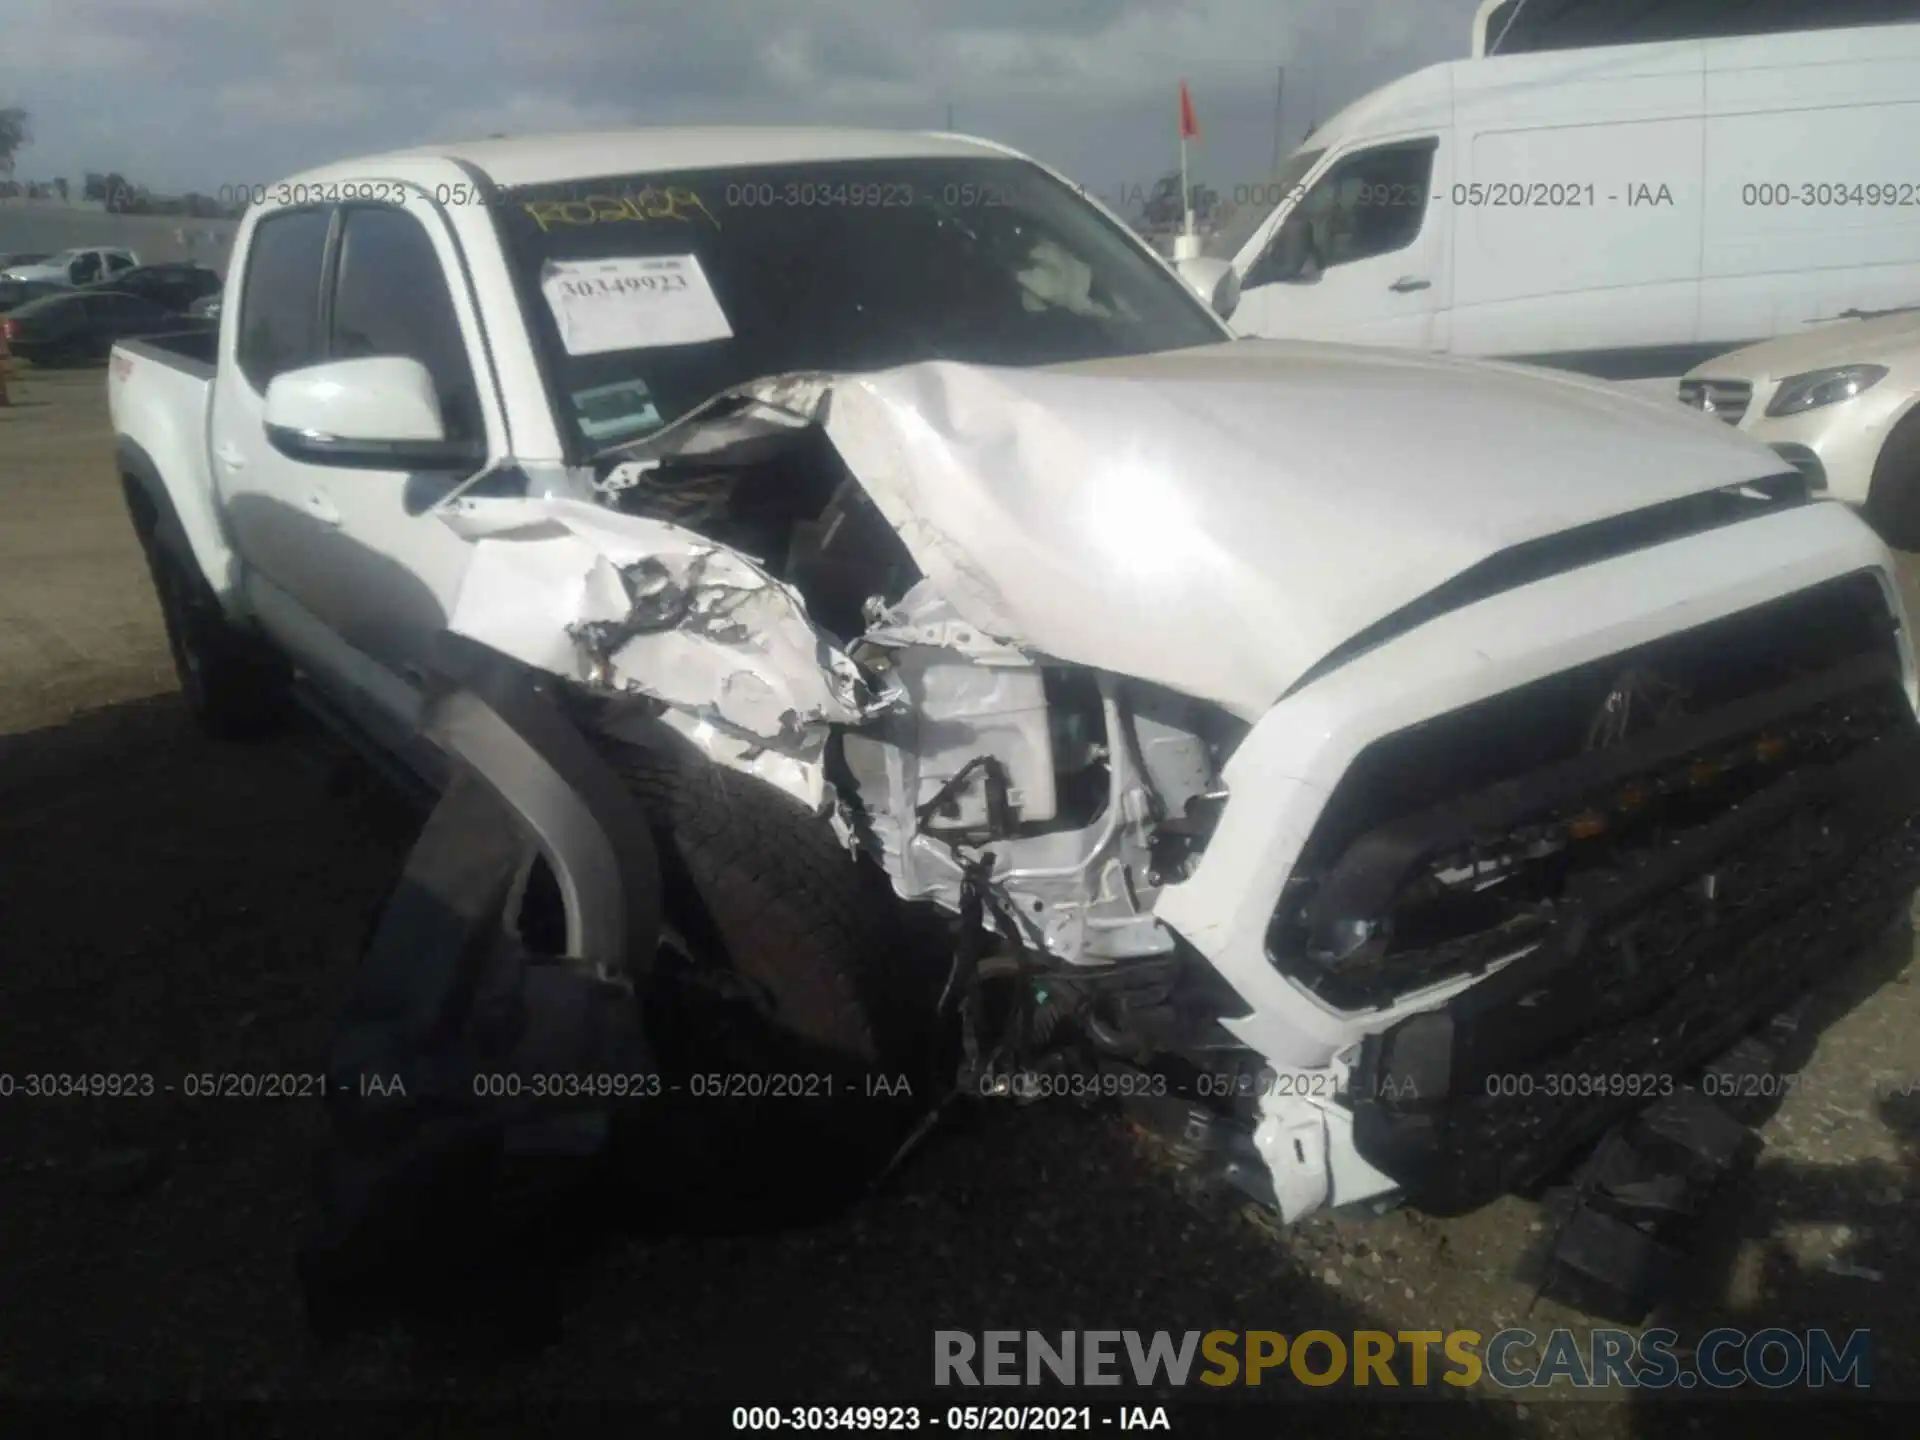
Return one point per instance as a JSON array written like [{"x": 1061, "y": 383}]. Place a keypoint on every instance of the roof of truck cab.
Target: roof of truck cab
[{"x": 535, "y": 159}]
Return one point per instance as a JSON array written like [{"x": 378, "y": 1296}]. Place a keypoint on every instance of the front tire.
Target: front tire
[{"x": 785, "y": 990}]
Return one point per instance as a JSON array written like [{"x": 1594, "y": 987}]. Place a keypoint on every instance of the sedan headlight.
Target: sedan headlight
[{"x": 1823, "y": 387}]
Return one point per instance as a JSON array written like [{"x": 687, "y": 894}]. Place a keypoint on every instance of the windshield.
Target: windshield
[
  {"x": 1252, "y": 204},
  {"x": 653, "y": 294}
]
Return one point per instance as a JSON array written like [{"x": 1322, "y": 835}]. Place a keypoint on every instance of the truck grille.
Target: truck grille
[
  {"x": 1461, "y": 1104},
  {"x": 1639, "y": 856},
  {"x": 1450, "y": 845},
  {"x": 1726, "y": 398}
]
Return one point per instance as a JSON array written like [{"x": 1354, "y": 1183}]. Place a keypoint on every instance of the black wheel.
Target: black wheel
[
  {"x": 1893, "y": 499},
  {"x": 785, "y": 997},
  {"x": 233, "y": 690}
]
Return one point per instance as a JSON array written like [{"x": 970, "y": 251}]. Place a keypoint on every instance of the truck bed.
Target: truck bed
[
  {"x": 158, "y": 391},
  {"x": 192, "y": 350}
]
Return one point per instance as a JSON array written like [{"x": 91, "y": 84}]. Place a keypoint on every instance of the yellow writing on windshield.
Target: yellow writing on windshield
[{"x": 671, "y": 202}]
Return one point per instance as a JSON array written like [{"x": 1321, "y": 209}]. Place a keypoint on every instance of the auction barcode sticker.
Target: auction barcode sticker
[{"x": 632, "y": 303}]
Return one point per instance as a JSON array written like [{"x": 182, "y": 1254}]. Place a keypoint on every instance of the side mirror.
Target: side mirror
[
  {"x": 1215, "y": 281},
  {"x": 380, "y": 413}
]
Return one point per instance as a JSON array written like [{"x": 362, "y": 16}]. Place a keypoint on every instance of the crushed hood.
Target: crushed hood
[{"x": 1216, "y": 520}]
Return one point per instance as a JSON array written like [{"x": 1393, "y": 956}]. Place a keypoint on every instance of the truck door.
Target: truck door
[
  {"x": 1360, "y": 258},
  {"x": 345, "y": 564},
  {"x": 398, "y": 288},
  {"x": 271, "y": 517}
]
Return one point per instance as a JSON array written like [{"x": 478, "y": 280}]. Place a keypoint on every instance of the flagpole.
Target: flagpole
[
  {"x": 1186, "y": 245},
  {"x": 1186, "y": 189}
]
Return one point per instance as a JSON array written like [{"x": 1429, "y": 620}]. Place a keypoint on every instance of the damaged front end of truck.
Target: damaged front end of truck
[{"x": 1350, "y": 844}]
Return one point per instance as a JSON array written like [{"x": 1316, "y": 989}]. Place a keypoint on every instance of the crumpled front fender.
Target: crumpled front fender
[{"x": 643, "y": 607}]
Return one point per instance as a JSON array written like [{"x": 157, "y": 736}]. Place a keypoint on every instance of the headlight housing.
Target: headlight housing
[{"x": 1810, "y": 391}]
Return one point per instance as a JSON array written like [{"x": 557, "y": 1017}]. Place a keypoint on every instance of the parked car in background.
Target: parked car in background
[
  {"x": 82, "y": 325},
  {"x": 176, "y": 284},
  {"x": 1625, "y": 211},
  {"x": 75, "y": 267},
  {"x": 1841, "y": 401},
  {"x": 207, "y": 307},
  {"x": 18, "y": 292}
]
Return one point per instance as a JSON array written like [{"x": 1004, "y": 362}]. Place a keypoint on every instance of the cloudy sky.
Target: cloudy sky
[{"x": 179, "y": 94}]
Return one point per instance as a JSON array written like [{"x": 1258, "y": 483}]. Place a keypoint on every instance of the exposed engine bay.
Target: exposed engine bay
[{"x": 1092, "y": 790}]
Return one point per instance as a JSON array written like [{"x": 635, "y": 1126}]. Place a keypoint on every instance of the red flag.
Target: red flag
[{"x": 1189, "y": 125}]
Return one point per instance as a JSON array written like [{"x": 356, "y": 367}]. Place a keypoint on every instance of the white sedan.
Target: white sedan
[
  {"x": 1839, "y": 402},
  {"x": 76, "y": 267}
]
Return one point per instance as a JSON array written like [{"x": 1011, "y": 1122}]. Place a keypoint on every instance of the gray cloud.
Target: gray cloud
[{"x": 179, "y": 93}]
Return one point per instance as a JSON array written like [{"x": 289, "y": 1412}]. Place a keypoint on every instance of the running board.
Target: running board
[{"x": 415, "y": 766}]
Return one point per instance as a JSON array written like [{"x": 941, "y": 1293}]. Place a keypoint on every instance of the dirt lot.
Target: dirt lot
[{"x": 172, "y": 907}]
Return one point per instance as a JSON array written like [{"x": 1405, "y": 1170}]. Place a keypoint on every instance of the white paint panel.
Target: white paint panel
[
  {"x": 1634, "y": 219},
  {"x": 1813, "y": 195}
]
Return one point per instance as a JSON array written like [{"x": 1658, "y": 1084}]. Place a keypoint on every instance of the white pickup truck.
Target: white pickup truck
[
  {"x": 1398, "y": 769},
  {"x": 85, "y": 266}
]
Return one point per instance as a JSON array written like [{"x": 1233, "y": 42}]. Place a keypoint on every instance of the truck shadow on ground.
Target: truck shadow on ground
[{"x": 177, "y": 912}]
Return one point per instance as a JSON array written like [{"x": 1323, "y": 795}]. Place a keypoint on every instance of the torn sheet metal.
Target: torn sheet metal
[
  {"x": 644, "y": 607},
  {"x": 925, "y": 617},
  {"x": 765, "y": 407}
]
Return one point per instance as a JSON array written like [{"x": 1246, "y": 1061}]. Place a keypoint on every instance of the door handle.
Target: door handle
[
  {"x": 322, "y": 509},
  {"x": 1407, "y": 283},
  {"x": 231, "y": 456}
]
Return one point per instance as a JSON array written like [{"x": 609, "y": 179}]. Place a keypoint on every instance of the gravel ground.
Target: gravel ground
[{"x": 171, "y": 907}]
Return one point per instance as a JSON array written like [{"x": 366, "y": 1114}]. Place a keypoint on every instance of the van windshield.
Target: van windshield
[
  {"x": 652, "y": 294},
  {"x": 1261, "y": 200}
]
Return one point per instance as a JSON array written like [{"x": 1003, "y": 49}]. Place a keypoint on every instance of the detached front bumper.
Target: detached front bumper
[
  {"x": 1338, "y": 1132},
  {"x": 1650, "y": 972}
]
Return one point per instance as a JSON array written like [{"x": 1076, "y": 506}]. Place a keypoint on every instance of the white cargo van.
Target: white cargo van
[
  {"x": 1626, "y": 210},
  {"x": 1509, "y": 27}
]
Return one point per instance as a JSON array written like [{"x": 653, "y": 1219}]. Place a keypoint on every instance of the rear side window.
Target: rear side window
[
  {"x": 391, "y": 298},
  {"x": 280, "y": 296}
]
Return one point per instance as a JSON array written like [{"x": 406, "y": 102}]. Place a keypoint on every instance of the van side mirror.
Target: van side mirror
[
  {"x": 377, "y": 413},
  {"x": 1215, "y": 281}
]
